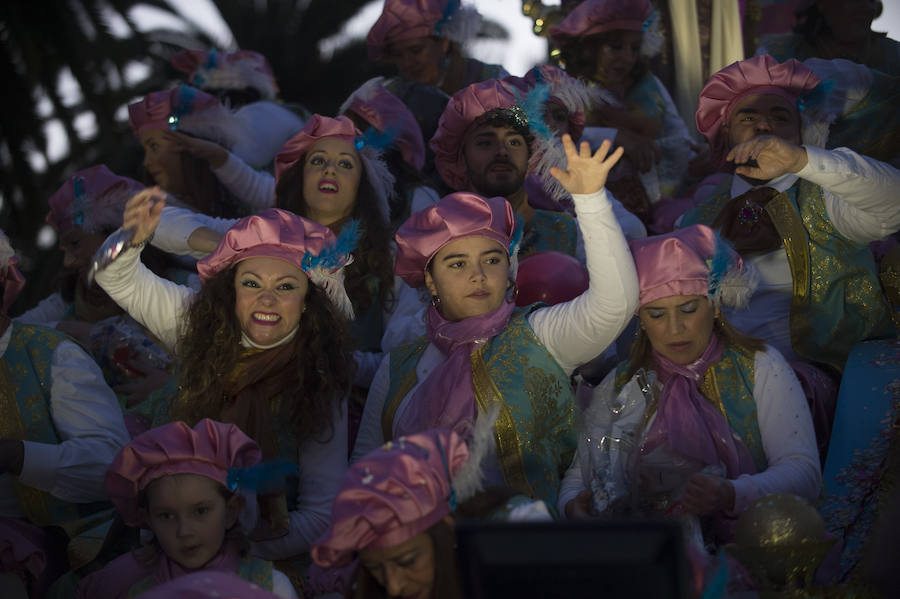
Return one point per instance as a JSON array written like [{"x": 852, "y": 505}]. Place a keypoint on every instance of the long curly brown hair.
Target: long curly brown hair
[
  {"x": 210, "y": 350},
  {"x": 371, "y": 275}
]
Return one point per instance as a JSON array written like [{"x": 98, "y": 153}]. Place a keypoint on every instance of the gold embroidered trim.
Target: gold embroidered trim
[
  {"x": 509, "y": 448},
  {"x": 710, "y": 389},
  {"x": 789, "y": 225}
]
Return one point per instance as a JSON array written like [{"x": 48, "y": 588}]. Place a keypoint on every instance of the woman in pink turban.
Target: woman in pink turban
[
  {"x": 263, "y": 344},
  {"x": 423, "y": 38},
  {"x": 606, "y": 42},
  {"x": 487, "y": 369},
  {"x": 728, "y": 420},
  {"x": 392, "y": 514}
]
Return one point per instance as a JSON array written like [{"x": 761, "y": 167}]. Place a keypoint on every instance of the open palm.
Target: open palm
[{"x": 585, "y": 174}]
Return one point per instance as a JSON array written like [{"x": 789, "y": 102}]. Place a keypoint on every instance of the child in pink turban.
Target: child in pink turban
[
  {"x": 423, "y": 39},
  {"x": 607, "y": 43},
  {"x": 730, "y": 422},
  {"x": 393, "y": 515},
  {"x": 487, "y": 369},
  {"x": 262, "y": 344},
  {"x": 180, "y": 483}
]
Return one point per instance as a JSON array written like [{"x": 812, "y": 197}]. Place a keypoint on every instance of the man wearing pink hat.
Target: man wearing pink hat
[
  {"x": 800, "y": 214},
  {"x": 61, "y": 428}
]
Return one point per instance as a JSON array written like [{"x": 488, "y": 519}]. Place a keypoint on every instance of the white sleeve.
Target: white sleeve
[
  {"x": 48, "y": 312},
  {"x": 254, "y": 188},
  {"x": 156, "y": 303},
  {"x": 572, "y": 484},
  {"x": 322, "y": 465},
  {"x": 860, "y": 192},
  {"x": 788, "y": 437},
  {"x": 176, "y": 226},
  {"x": 88, "y": 419},
  {"x": 576, "y": 331},
  {"x": 281, "y": 585},
  {"x": 370, "y": 435}
]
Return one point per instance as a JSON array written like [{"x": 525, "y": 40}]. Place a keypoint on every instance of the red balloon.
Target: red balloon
[{"x": 550, "y": 277}]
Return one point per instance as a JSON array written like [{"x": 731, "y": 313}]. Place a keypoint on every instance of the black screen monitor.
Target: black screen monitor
[{"x": 572, "y": 559}]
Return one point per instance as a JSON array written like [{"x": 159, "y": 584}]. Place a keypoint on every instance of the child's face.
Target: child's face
[{"x": 189, "y": 517}]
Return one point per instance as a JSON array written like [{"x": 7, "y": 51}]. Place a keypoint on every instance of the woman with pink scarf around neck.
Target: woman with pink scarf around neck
[
  {"x": 486, "y": 369},
  {"x": 174, "y": 481},
  {"x": 731, "y": 422}
]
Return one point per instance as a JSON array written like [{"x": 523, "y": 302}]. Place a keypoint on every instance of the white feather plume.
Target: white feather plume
[
  {"x": 546, "y": 154},
  {"x": 653, "y": 40},
  {"x": 331, "y": 281},
  {"x": 363, "y": 93},
  {"x": 470, "y": 478},
  {"x": 463, "y": 26},
  {"x": 216, "y": 123},
  {"x": 736, "y": 287}
]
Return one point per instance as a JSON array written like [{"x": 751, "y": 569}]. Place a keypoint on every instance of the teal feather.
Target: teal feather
[
  {"x": 374, "y": 138},
  {"x": 719, "y": 265},
  {"x": 816, "y": 96},
  {"x": 717, "y": 587},
  {"x": 517, "y": 237},
  {"x": 533, "y": 104},
  {"x": 265, "y": 477},
  {"x": 335, "y": 256},
  {"x": 449, "y": 10}
]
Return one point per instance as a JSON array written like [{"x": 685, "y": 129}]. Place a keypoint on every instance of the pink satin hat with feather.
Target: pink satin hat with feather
[
  {"x": 227, "y": 70},
  {"x": 403, "y": 20},
  {"x": 273, "y": 233},
  {"x": 157, "y": 109},
  {"x": 316, "y": 128},
  {"x": 677, "y": 263},
  {"x": 598, "y": 16},
  {"x": 758, "y": 75},
  {"x": 392, "y": 495},
  {"x": 208, "y": 449},
  {"x": 455, "y": 216},
  {"x": 461, "y": 113},
  {"x": 93, "y": 199},
  {"x": 388, "y": 114}
]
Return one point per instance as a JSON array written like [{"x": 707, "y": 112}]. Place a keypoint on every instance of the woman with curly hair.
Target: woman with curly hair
[
  {"x": 262, "y": 344},
  {"x": 330, "y": 174}
]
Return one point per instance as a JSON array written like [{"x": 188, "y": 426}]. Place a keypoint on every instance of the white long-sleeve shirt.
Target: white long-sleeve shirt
[
  {"x": 160, "y": 305},
  {"x": 88, "y": 420},
  {"x": 254, "y": 188},
  {"x": 573, "y": 332},
  {"x": 861, "y": 202},
  {"x": 786, "y": 428}
]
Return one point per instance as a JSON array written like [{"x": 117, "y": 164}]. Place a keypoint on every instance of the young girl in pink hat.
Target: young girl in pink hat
[
  {"x": 178, "y": 482},
  {"x": 487, "y": 369},
  {"x": 606, "y": 42},
  {"x": 262, "y": 344},
  {"x": 730, "y": 422}
]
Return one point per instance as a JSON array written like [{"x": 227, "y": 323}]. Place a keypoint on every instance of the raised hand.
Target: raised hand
[
  {"x": 585, "y": 174},
  {"x": 209, "y": 151},
  {"x": 142, "y": 213},
  {"x": 773, "y": 157}
]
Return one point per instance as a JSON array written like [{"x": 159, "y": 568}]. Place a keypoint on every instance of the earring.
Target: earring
[
  {"x": 435, "y": 301},
  {"x": 514, "y": 288}
]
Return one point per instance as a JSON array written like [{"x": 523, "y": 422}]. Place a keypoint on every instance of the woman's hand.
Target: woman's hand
[
  {"x": 142, "y": 213},
  {"x": 585, "y": 174},
  {"x": 704, "y": 494},
  {"x": 209, "y": 151}
]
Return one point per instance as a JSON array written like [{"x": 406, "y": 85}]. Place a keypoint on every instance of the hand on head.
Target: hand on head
[
  {"x": 586, "y": 174},
  {"x": 773, "y": 156},
  {"x": 142, "y": 213},
  {"x": 206, "y": 150}
]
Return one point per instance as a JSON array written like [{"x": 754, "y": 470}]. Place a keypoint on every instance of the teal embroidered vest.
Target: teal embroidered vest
[
  {"x": 535, "y": 431},
  {"x": 837, "y": 299},
  {"x": 251, "y": 569},
  {"x": 728, "y": 384},
  {"x": 550, "y": 231},
  {"x": 25, "y": 388}
]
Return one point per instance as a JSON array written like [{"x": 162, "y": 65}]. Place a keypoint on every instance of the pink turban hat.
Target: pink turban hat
[
  {"x": 690, "y": 261},
  {"x": 11, "y": 280},
  {"x": 227, "y": 70},
  {"x": 276, "y": 233},
  {"x": 403, "y": 20},
  {"x": 392, "y": 495},
  {"x": 462, "y": 112},
  {"x": 389, "y": 115},
  {"x": 93, "y": 199},
  {"x": 209, "y": 449},
  {"x": 758, "y": 75},
  {"x": 455, "y": 216},
  {"x": 320, "y": 127},
  {"x": 597, "y": 16}
]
